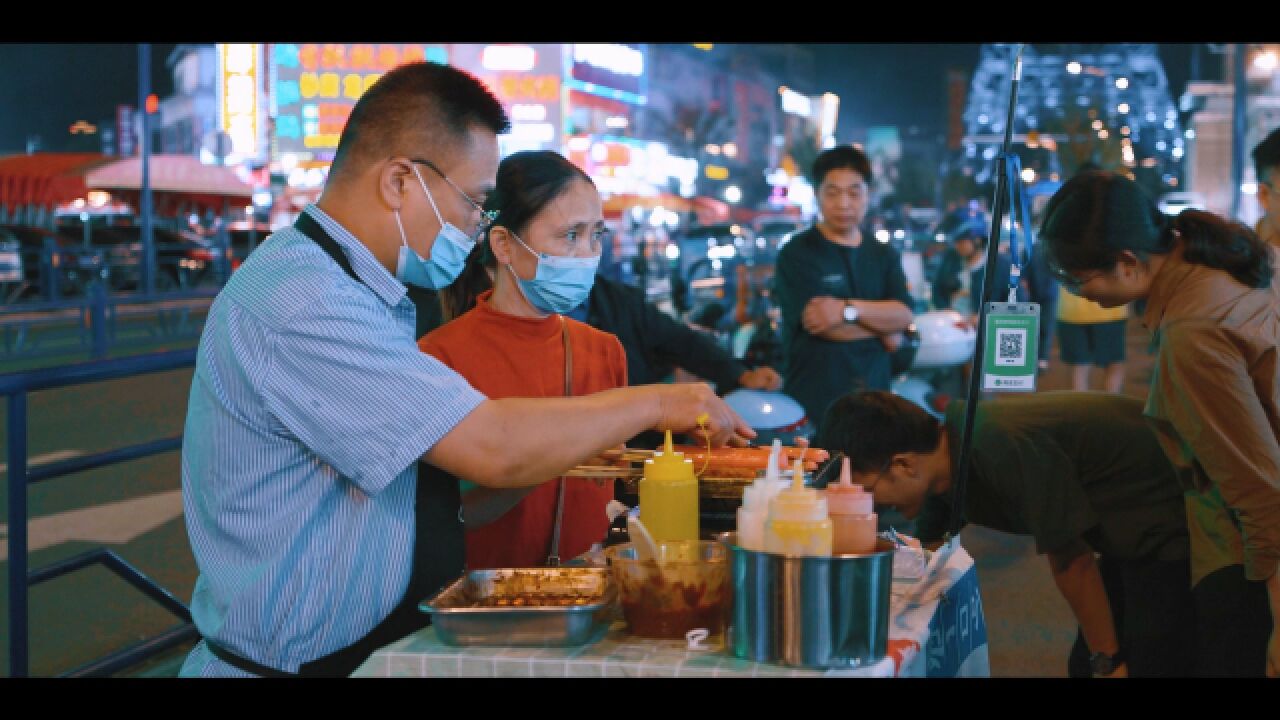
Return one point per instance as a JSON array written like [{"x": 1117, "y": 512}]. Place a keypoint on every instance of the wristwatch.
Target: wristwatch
[
  {"x": 1104, "y": 664},
  {"x": 850, "y": 312}
]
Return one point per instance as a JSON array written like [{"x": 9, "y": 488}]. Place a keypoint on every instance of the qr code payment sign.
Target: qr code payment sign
[{"x": 1011, "y": 346}]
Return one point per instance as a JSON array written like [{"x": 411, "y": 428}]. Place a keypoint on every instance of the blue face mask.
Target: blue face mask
[
  {"x": 448, "y": 253},
  {"x": 560, "y": 283}
]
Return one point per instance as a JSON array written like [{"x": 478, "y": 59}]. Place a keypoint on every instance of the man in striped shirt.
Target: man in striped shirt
[{"x": 315, "y": 531}]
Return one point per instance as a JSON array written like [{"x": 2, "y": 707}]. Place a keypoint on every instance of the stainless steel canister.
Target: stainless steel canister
[{"x": 815, "y": 612}]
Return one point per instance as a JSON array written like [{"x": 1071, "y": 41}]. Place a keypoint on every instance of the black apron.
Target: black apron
[{"x": 437, "y": 560}]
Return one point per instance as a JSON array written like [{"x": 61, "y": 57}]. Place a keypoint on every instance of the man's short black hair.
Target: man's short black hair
[
  {"x": 841, "y": 156},
  {"x": 871, "y": 427},
  {"x": 1266, "y": 159},
  {"x": 414, "y": 108}
]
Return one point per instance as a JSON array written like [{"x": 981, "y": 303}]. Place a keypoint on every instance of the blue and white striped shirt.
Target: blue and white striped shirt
[{"x": 309, "y": 406}]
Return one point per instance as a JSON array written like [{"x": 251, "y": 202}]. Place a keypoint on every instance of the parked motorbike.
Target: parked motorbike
[{"x": 946, "y": 341}]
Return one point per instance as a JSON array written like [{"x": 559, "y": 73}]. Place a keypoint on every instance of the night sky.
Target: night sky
[
  {"x": 45, "y": 88},
  {"x": 905, "y": 84},
  {"x": 901, "y": 85}
]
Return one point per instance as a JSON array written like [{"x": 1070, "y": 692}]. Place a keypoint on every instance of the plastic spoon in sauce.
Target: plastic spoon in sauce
[{"x": 646, "y": 548}]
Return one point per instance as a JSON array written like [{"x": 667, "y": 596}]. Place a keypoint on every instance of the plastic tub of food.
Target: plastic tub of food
[{"x": 690, "y": 589}]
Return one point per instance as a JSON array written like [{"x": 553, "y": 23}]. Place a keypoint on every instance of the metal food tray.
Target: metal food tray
[{"x": 458, "y": 623}]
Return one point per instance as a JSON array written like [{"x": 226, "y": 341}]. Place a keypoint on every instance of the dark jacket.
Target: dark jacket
[
  {"x": 818, "y": 370},
  {"x": 946, "y": 282},
  {"x": 427, "y": 303},
  {"x": 657, "y": 343}
]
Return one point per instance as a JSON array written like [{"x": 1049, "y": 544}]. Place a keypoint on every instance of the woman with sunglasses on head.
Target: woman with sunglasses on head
[
  {"x": 1205, "y": 288},
  {"x": 540, "y": 254}
]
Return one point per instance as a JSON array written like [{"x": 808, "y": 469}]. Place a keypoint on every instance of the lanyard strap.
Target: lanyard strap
[
  {"x": 553, "y": 556},
  {"x": 308, "y": 226},
  {"x": 1017, "y": 206}
]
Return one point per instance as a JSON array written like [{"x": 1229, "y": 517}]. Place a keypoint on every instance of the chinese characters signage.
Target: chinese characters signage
[
  {"x": 238, "y": 73},
  {"x": 315, "y": 86},
  {"x": 527, "y": 79},
  {"x": 958, "y": 631},
  {"x": 601, "y": 68}
]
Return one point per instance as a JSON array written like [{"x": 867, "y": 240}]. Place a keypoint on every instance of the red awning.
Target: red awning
[
  {"x": 577, "y": 99},
  {"x": 179, "y": 184},
  {"x": 182, "y": 174},
  {"x": 45, "y": 180},
  {"x": 615, "y": 205},
  {"x": 710, "y": 211}
]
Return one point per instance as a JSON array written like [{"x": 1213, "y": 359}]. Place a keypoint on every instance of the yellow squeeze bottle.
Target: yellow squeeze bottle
[
  {"x": 669, "y": 497},
  {"x": 798, "y": 523}
]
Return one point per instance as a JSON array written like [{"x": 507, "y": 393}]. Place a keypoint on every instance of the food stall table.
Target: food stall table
[{"x": 937, "y": 629}]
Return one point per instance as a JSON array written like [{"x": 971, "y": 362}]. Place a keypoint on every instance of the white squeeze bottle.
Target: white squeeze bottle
[
  {"x": 798, "y": 523},
  {"x": 755, "y": 503}
]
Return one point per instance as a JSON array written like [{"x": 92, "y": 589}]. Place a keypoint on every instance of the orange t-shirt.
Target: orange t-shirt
[{"x": 506, "y": 356}]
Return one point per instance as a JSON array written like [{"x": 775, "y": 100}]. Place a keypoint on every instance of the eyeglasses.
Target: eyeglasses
[
  {"x": 486, "y": 216},
  {"x": 868, "y": 487},
  {"x": 1071, "y": 282}
]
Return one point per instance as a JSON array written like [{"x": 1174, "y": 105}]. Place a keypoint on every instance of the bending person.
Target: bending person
[{"x": 1082, "y": 473}]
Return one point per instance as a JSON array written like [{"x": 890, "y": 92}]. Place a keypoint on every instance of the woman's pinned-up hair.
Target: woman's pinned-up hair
[
  {"x": 1097, "y": 215},
  {"x": 527, "y": 183}
]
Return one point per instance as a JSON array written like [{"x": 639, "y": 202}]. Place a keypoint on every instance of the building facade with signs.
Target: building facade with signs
[
  {"x": 1211, "y": 110},
  {"x": 528, "y": 79},
  {"x": 645, "y": 121},
  {"x": 191, "y": 112}
]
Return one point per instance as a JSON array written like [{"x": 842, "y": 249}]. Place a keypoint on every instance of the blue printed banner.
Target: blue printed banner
[{"x": 958, "y": 629}]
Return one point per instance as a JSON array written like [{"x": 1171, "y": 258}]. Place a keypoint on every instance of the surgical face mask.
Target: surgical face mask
[
  {"x": 448, "y": 253},
  {"x": 560, "y": 283}
]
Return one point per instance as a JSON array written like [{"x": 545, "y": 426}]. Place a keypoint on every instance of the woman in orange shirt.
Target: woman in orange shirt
[{"x": 541, "y": 252}]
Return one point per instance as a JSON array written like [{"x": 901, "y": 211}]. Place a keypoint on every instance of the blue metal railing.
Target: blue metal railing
[
  {"x": 95, "y": 327},
  {"x": 16, "y": 387}
]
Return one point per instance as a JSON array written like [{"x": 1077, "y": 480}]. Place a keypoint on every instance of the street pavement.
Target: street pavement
[
  {"x": 134, "y": 509},
  {"x": 1030, "y": 627}
]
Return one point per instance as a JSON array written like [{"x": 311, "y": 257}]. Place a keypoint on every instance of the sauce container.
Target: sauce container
[
  {"x": 853, "y": 517},
  {"x": 686, "y": 591},
  {"x": 669, "y": 496},
  {"x": 811, "y": 612},
  {"x": 798, "y": 523}
]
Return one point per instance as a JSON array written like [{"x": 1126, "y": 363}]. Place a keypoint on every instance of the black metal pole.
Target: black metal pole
[
  {"x": 960, "y": 474},
  {"x": 1239, "y": 113},
  {"x": 148, "y": 238},
  {"x": 18, "y": 588}
]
